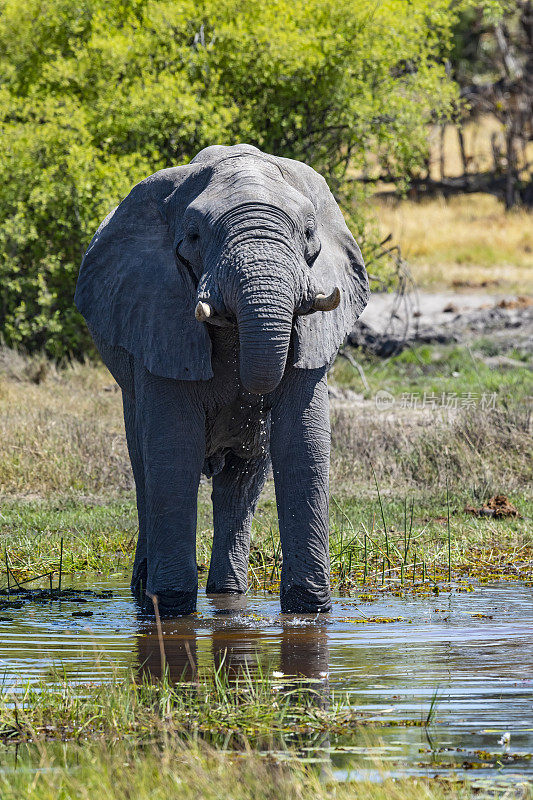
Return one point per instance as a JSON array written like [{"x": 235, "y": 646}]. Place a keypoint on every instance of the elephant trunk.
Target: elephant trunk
[{"x": 264, "y": 310}]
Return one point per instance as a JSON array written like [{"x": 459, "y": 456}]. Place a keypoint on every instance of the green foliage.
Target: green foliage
[
  {"x": 97, "y": 94},
  {"x": 475, "y": 56}
]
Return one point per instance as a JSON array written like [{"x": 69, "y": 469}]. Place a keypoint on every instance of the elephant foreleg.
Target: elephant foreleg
[
  {"x": 171, "y": 435},
  {"x": 139, "y": 575},
  {"x": 300, "y": 449},
  {"x": 236, "y": 490},
  {"x": 122, "y": 366}
]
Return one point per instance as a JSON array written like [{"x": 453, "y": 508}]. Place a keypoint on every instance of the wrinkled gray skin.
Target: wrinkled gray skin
[{"x": 256, "y": 238}]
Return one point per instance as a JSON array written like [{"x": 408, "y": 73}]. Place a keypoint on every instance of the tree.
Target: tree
[
  {"x": 97, "y": 94},
  {"x": 492, "y": 62}
]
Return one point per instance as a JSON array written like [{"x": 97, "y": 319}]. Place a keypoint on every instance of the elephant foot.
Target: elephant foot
[
  {"x": 171, "y": 603},
  {"x": 213, "y": 587},
  {"x": 300, "y": 600},
  {"x": 227, "y": 602}
]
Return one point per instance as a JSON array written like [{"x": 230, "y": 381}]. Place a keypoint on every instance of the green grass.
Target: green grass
[
  {"x": 172, "y": 770},
  {"x": 476, "y": 452},
  {"x": 101, "y": 538},
  {"x": 220, "y": 707},
  {"x": 98, "y": 536},
  {"x": 292, "y": 721},
  {"x": 402, "y": 544},
  {"x": 448, "y": 369},
  {"x": 253, "y": 737}
]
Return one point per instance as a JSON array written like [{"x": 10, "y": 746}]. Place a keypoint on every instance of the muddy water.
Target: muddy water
[{"x": 481, "y": 667}]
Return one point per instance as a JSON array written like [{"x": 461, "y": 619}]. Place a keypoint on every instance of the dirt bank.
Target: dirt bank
[{"x": 390, "y": 322}]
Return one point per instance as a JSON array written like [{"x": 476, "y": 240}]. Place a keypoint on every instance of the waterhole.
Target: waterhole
[{"x": 468, "y": 656}]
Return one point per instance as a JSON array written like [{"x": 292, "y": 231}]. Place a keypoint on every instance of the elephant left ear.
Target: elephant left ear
[{"x": 318, "y": 336}]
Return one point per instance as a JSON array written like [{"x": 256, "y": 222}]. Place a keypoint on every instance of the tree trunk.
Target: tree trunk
[
  {"x": 442, "y": 158},
  {"x": 510, "y": 176}
]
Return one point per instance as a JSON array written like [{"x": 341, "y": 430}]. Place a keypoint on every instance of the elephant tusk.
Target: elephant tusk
[
  {"x": 329, "y": 303},
  {"x": 203, "y": 311}
]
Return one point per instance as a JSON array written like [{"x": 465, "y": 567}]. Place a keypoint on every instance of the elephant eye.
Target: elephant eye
[{"x": 310, "y": 229}]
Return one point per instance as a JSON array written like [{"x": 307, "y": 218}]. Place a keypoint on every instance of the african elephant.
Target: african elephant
[{"x": 218, "y": 294}]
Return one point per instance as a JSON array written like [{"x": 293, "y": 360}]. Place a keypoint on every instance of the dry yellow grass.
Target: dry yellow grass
[
  {"x": 466, "y": 238},
  {"x": 64, "y": 433},
  {"x": 65, "y": 436}
]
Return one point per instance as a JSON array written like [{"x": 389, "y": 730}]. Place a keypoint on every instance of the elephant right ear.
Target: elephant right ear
[{"x": 131, "y": 289}]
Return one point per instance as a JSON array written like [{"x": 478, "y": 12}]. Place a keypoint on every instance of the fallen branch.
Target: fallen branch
[{"x": 356, "y": 365}]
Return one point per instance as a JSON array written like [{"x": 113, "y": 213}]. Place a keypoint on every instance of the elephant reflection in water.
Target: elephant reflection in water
[
  {"x": 304, "y": 652},
  {"x": 235, "y": 651},
  {"x": 179, "y": 654},
  {"x": 235, "y": 648}
]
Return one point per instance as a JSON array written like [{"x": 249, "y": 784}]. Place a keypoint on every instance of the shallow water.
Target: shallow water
[{"x": 480, "y": 667}]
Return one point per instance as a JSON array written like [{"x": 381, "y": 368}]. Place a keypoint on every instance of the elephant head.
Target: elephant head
[{"x": 235, "y": 237}]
